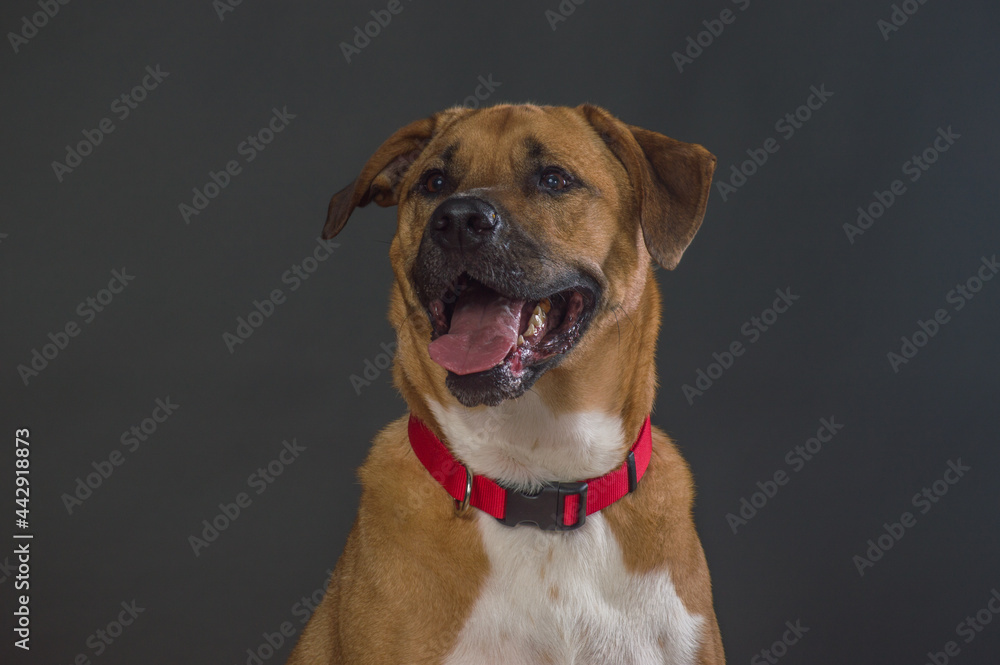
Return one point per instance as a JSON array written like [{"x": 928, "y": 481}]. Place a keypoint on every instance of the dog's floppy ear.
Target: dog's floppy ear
[
  {"x": 380, "y": 178},
  {"x": 671, "y": 179}
]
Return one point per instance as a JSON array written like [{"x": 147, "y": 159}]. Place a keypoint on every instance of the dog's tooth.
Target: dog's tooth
[
  {"x": 530, "y": 331},
  {"x": 520, "y": 340},
  {"x": 536, "y": 321},
  {"x": 545, "y": 305}
]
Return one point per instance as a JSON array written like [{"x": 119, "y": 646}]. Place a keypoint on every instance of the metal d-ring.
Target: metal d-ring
[{"x": 462, "y": 507}]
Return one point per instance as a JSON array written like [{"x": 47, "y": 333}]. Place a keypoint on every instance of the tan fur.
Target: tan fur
[
  {"x": 409, "y": 573},
  {"x": 412, "y": 569}
]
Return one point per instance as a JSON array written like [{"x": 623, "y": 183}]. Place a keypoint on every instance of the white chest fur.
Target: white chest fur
[
  {"x": 560, "y": 598},
  {"x": 566, "y": 598}
]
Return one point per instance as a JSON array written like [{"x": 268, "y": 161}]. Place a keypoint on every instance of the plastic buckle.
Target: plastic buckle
[{"x": 545, "y": 509}]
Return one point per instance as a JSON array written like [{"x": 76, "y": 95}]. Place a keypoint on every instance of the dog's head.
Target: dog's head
[{"x": 521, "y": 230}]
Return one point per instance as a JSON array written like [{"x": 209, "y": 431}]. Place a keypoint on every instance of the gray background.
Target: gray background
[{"x": 292, "y": 378}]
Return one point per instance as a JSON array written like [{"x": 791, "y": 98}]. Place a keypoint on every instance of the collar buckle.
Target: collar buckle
[{"x": 546, "y": 508}]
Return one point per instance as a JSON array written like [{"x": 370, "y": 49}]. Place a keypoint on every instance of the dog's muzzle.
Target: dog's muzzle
[{"x": 502, "y": 309}]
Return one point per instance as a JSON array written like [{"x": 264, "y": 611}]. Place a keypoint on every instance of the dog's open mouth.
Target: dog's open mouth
[{"x": 483, "y": 330}]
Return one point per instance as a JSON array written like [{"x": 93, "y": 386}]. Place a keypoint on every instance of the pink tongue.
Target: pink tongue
[{"x": 484, "y": 328}]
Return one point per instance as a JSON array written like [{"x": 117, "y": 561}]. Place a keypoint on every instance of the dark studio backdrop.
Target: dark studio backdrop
[{"x": 160, "y": 382}]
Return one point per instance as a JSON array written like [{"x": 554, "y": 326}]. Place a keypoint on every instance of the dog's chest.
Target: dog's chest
[
  {"x": 559, "y": 598},
  {"x": 567, "y": 598}
]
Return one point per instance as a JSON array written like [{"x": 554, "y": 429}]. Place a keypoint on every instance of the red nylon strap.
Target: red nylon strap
[{"x": 491, "y": 498}]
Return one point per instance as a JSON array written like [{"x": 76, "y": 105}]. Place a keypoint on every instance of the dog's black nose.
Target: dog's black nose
[{"x": 463, "y": 223}]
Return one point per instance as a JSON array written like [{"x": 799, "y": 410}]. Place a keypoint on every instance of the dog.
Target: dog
[{"x": 524, "y": 511}]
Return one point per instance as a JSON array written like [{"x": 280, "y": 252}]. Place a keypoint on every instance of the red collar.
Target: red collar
[{"x": 559, "y": 507}]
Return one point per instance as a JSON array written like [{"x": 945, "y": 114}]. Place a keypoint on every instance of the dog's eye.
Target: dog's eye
[
  {"x": 554, "y": 179},
  {"x": 434, "y": 182}
]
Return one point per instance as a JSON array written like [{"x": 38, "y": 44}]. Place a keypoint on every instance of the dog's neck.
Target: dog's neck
[
  {"x": 577, "y": 422},
  {"x": 523, "y": 444}
]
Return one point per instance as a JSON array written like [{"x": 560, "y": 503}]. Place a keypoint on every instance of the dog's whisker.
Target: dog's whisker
[{"x": 634, "y": 327}]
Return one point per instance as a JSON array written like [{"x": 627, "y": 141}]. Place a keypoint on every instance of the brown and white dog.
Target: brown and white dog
[{"x": 527, "y": 314}]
